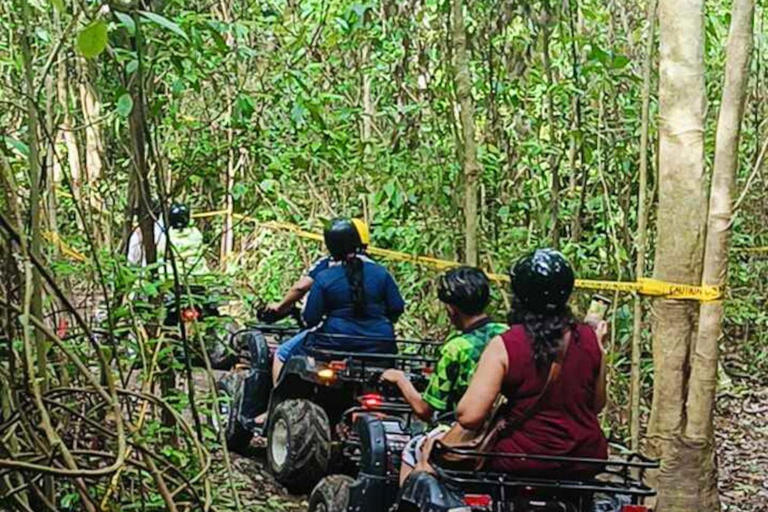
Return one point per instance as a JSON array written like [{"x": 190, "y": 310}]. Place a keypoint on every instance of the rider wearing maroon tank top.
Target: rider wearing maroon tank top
[
  {"x": 565, "y": 423},
  {"x": 516, "y": 364}
]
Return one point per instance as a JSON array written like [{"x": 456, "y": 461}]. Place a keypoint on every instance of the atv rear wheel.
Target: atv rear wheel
[
  {"x": 298, "y": 444},
  {"x": 237, "y": 437},
  {"x": 331, "y": 494}
]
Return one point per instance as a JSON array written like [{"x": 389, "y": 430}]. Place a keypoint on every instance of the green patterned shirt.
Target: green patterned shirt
[{"x": 458, "y": 361}]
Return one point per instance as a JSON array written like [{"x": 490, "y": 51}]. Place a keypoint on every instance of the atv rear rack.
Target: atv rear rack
[{"x": 623, "y": 483}]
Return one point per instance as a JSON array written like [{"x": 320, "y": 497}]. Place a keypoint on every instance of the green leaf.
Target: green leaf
[
  {"x": 164, "y": 22},
  {"x": 124, "y": 105},
  {"x": 132, "y": 67},
  {"x": 17, "y": 145},
  {"x": 127, "y": 22},
  {"x": 92, "y": 40},
  {"x": 620, "y": 62},
  {"x": 58, "y": 5}
]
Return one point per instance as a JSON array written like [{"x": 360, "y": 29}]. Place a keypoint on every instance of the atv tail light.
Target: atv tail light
[
  {"x": 634, "y": 508},
  {"x": 478, "y": 501},
  {"x": 427, "y": 371},
  {"x": 189, "y": 314},
  {"x": 326, "y": 374},
  {"x": 338, "y": 366},
  {"x": 371, "y": 401}
]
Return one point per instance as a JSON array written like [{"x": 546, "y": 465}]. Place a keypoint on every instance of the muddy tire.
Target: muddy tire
[
  {"x": 298, "y": 444},
  {"x": 237, "y": 437},
  {"x": 331, "y": 494}
]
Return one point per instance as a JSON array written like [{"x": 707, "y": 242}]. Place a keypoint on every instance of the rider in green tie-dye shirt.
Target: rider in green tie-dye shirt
[
  {"x": 457, "y": 364},
  {"x": 465, "y": 293}
]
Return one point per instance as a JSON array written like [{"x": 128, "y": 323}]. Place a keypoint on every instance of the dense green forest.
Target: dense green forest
[{"x": 469, "y": 131}]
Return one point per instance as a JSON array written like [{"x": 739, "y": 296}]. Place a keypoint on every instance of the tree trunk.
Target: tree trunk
[
  {"x": 471, "y": 166},
  {"x": 682, "y": 108},
  {"x": 554, "y": 158},
  {"x": 642, "y": 226},
  {"x": 704, "y": 356},
  {"x": 94, "y": 147}
]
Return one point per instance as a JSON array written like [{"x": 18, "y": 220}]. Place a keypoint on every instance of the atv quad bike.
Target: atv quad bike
[
  {"x": 312, "y": 408},
  {"x": 618, "y": 488},
  {"x": 200, "y": 314}
]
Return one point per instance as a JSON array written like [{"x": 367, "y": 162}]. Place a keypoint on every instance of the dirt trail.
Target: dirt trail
[{"x": 742, "y": 448}]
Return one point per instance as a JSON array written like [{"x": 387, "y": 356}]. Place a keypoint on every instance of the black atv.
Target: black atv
[
  {"x": 311, "y": 410},
  {"x": 201, "y": 313},
  {"x": 618, "y": 488}
]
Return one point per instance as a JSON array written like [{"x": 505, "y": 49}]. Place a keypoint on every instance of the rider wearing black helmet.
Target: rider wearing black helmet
[
  {"x": 465, "y": 292},
  {"x": 187, "y": 244},
  {"x": 301, "y": 287},
  {"x": 353, "y": 296}
]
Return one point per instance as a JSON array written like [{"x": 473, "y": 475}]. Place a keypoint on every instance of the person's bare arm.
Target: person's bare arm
[
  {"x": 486, "y": 383},
  {"x": 294, "y": 295},
  {"x": 420, "y": 408},
  {"x": 601, "y": 392}
]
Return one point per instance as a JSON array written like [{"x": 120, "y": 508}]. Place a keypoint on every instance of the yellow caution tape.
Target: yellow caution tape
[
  {"x": 645, "y": 286},
  {"x": 752, "y": 249},
  {"x": 66, "y": 250}
]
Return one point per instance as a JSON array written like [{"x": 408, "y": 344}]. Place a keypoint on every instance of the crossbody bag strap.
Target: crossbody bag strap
[{"x": 555, "y": 369}]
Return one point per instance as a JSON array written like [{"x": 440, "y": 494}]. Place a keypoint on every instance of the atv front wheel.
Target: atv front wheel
[
  {"x": 237, "y": 437},
  {"x": 331, "y": 494},
  {"x": 298, "y": 444}
]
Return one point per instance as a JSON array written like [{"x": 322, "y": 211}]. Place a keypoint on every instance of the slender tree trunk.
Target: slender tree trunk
[
  {"x": 94, "y": 147},
  {"x": 704, "y": 356},
  {"x": 682, "y": 108},
  {"x": 472, "y": 170},
  {"x": 554, "y": 158},
  {"x": 642, "y": 226},
  {"x": 367, "y": 98},
  {"x": 36, "y": 185},
  {"x": 228, "y": 238}
]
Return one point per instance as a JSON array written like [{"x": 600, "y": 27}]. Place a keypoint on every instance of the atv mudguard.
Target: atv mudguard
[
  {"x": 258, "y": 383},
  {"x": 423, "y": 491},
  {"x": 376, "y": 487}
]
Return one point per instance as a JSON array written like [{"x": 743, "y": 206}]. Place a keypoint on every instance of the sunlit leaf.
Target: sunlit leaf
[
  {"x": 124, "y": 105},
  {"x": 166, "y": 23},
  {"x": 126, "y": 21},
  {"x": 92, "y": 40}
]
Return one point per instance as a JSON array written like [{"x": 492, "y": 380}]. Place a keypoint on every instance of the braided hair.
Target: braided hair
[{"x": 353, "y": 267}]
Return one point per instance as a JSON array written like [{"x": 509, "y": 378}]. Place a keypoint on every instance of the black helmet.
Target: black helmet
[
  {"x": 466, "y": 288},
  {"x": 341, "y": 238},
  {"x": 179, "y": 216},
  {"x": 542, "y": 281}
]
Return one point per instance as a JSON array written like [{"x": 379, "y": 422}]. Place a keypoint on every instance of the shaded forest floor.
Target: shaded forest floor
[{"x": 742, "y": 446}]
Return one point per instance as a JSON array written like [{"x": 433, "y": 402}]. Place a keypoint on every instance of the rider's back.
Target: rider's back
[
  {"x": 330, "y": 302},
  {"x": 566, "y": 423}
]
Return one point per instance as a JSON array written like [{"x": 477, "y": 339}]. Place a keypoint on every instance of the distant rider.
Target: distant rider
[
  {"x": 465, "y": 291},
  {"x": 354, "y": 297},
  {"x": 186, "y": 242}
]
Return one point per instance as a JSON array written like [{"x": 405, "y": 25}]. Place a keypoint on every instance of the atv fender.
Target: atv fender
[
  {"x": 258, "y": 383},
  {"x": 423, "y": 491},
  {"x": 376, "y": 487}
]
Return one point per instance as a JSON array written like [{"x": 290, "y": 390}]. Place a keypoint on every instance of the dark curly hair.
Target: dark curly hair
[{"x": 544, "y": 330}]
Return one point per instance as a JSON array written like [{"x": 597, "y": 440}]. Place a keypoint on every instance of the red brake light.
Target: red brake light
[
  {"x": 337, "y": 366},
  {"x": 371, "y": 401},
  {"x": 478, "y": 500},
  {"x": 634, "y": 508},
  {"x": 427, "y": 370}
]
